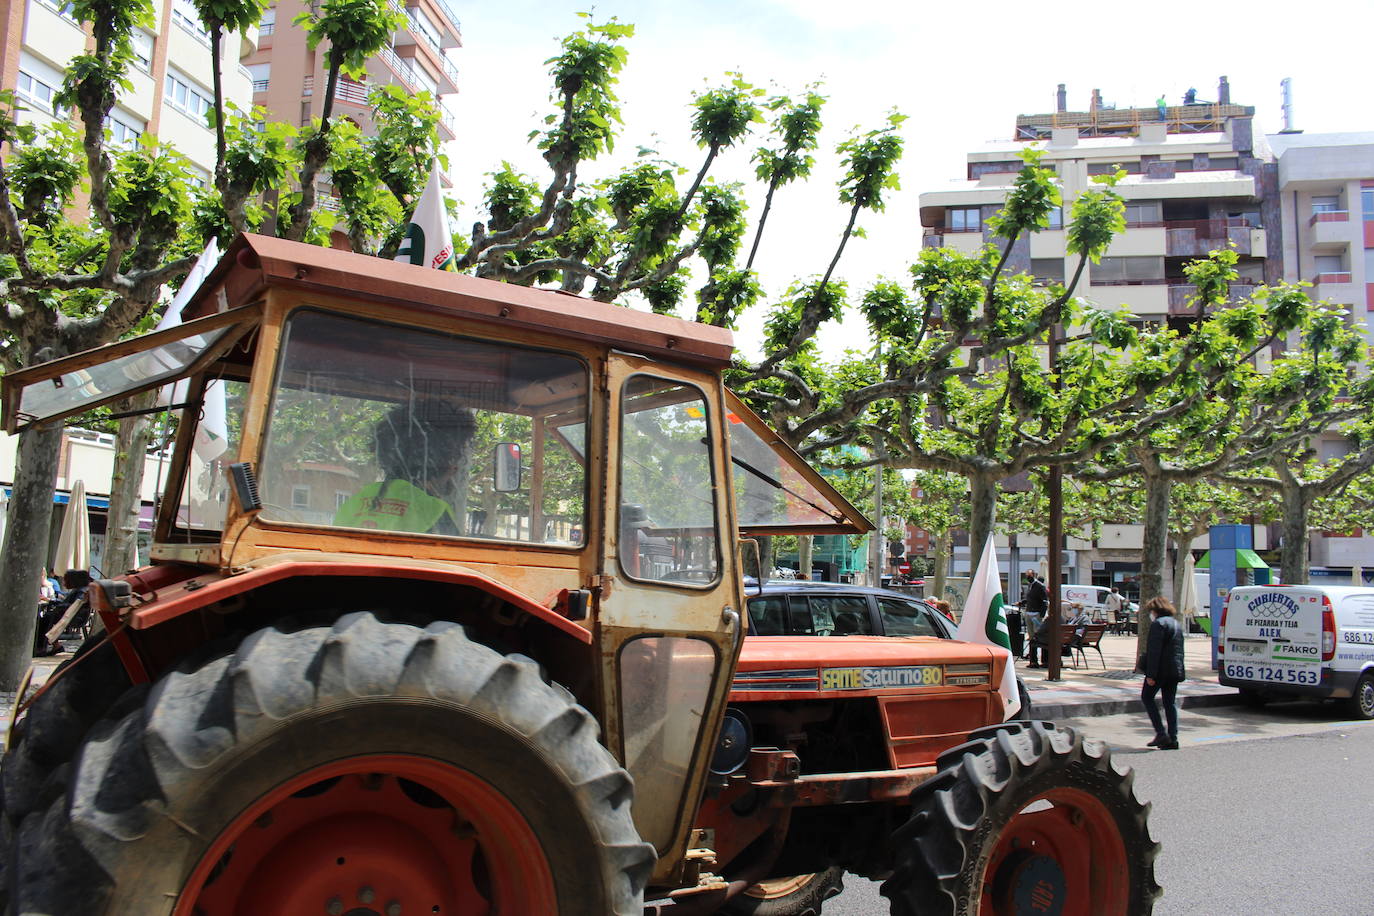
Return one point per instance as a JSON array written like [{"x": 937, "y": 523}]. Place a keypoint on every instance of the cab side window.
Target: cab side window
[
  {"x": 906, "y": 618},
  {"x": 768, "y": 616},
  {"x": 837, "y": 615}
]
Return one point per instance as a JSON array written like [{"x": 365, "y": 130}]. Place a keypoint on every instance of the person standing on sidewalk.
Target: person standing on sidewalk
[
  {"x": 1033, "y": 607},
  {"x": 1164, "y": 669}
]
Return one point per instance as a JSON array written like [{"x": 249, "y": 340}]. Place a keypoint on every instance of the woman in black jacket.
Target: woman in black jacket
[{"x": 1163, "y": 671}]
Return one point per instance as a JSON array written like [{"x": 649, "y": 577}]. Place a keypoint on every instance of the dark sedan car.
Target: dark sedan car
[{"x": 786, "y": 607}]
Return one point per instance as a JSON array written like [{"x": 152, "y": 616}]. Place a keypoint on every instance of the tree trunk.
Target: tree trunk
[
  {"x": 767, "y": 560},
  {"x": 126, "y": 486},
  {"x": 1154, "y": 551},
  {"x": 941, "y": 571},
  {"x": 982, "y": 513},
  {"x": 1293, "y": 557},
  {"x": 804, "y": 544},
  {"x": 25, "y": 551}
]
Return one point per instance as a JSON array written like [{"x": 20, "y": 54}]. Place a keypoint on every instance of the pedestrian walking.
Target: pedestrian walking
[
  {"x": 1033, "y": 607},
  {"x": 1163, "y": 667}
]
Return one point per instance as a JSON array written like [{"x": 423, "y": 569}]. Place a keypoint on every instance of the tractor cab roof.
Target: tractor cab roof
[{"x": 255, "y": 262}]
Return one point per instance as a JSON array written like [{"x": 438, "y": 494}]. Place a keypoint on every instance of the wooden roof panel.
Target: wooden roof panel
[{"x": 254, "y": 262}]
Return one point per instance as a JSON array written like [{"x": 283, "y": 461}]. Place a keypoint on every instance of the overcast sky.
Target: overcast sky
[{"x": 960, "y": 71}]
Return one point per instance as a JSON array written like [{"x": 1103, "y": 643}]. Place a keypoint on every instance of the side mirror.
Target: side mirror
[{"x": 506, "y": 478}]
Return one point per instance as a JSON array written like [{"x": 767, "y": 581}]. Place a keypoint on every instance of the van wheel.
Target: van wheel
[
  {"x": 311, "y": 771},
  {"x": 1362, "y": 701},
  {"x": 1253, "y": 698},
  {"x": 1022, "y": 818}
]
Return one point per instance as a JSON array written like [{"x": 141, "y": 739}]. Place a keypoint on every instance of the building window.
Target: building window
[
  {"x": 964, "y": 219},
  {"x": 36, "y": 92},
  {"x": 1056, "y": 219},
  {"x": 1128, "y": 270},
  {"x": 268, "y": 23},
  {"x": 261, "y": 74},
  {"x": 300, "y": 497},
  {"x": 1329, "y": 263},
  {"x": 184, "y": 14},
  {"x": 1330, "y": 203},
  {"x": 340, "y": 497},
  {"x": 1367, "y": 203},
  {"x": 63, "y": 8},
  {"x": 124, "y": 130},
  {"x": 181, "y": 94},
  {"x": 143, "y": 50},
  {"x": 197, "y": 178},
  {"x": 1142, "y": 213},
  {"x": 1046, "y": 270}
]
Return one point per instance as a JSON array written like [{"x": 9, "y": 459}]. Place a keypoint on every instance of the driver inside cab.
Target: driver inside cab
[{"x": 420, "y": 450}]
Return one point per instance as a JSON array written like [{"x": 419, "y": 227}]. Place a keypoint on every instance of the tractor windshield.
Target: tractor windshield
[{"x": 390, "y": 428}]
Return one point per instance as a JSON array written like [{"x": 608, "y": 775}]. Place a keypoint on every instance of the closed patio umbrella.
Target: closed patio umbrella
[
  {"x": 1188, "y": 606},
  {"x": 74, "y": 543}
]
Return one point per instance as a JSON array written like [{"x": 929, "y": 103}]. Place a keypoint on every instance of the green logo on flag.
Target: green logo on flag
[{"x": 996, "y": 624}]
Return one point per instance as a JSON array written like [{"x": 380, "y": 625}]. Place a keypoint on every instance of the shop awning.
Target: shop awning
[{"x": 1245, "y": 559}]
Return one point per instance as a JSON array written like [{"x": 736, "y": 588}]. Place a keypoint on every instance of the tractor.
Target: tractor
[{"x": 444, "y": 615}]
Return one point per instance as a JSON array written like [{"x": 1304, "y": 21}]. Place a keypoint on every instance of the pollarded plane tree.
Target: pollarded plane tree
[
  {"x": 1250, "y": 413},
  {"x": 75, "y": 277}
]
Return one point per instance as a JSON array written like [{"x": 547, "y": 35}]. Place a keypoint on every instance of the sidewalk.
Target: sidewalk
[{"x": 1091, "y": 690}]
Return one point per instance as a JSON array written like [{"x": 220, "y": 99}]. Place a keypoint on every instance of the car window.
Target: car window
[
  {"x": 768, "y": 616},
  {"x": 833, "y": 615},
  {"x": 907, "y": 618}
]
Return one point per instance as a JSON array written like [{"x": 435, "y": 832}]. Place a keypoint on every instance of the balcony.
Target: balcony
[
  {"x": 1196, "y": 237},
  {"x": 260, "y": 85},
  {"x": 1332, "y": 278},
  {"x": 1333, "y": 229}
]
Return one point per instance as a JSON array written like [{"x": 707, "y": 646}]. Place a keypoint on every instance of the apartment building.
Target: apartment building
[
  {"x": 171, "y": 83},
  {"x": 1195, "y": 180},
  {"x": 1198, "y": 177},
  {"x": 1326, "y": 196},
  {"x": 286, "y": 73}
]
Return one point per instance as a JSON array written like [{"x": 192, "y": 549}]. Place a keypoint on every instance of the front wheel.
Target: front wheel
[
  {"x": 1025, "y": 818},
  {"x": 368, "y": 767},
  {"x": 799, "y": 895}
]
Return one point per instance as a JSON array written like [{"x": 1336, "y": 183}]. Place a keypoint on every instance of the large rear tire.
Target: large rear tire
[
  {"x": 800, "y": 895},
  {"x": 367, "y": 764},
  {"x": 33, "y": 773},
  {"x": 1025, "y": 817}
]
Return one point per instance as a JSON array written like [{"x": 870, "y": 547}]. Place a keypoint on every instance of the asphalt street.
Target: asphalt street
[{"x": 1258, "y": 812}]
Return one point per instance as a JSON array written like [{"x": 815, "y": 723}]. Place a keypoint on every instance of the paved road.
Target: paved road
[{"x": 1258, "y": 812}]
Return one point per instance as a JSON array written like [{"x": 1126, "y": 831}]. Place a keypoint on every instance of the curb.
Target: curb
[{"x": 1116, "y": 707}]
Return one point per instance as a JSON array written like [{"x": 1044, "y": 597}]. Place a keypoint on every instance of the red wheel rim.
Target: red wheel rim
[
  {"x": 389, "y": 835},
  {"x": 1061, "y": 854}
]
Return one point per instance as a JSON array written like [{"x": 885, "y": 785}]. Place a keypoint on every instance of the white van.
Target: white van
[
  {"x": 1092, "y": 597},
  {"x": 1299, "y": 641}
]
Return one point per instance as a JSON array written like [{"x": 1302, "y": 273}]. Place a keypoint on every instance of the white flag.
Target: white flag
[
  {"x": 212, "y": 433},
  {"x": 985, "y": 622},
  {"x": 428, "y": 242}
]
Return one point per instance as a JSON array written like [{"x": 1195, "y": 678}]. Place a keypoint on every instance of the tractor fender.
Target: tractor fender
[{"x": 208, "y": 587}]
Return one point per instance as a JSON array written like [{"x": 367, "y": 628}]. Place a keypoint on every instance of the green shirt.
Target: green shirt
[{"x": 397, "y": 505}]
